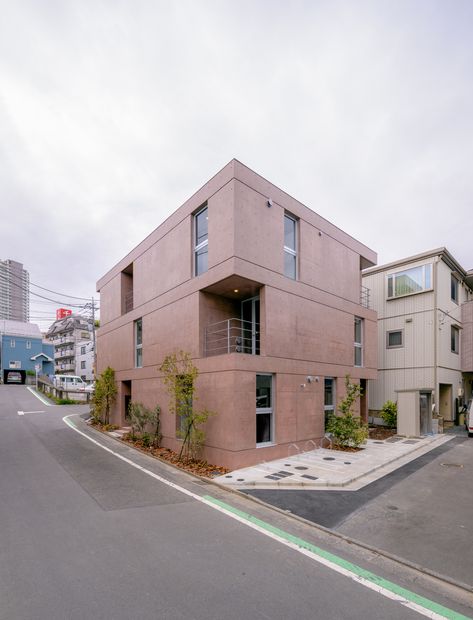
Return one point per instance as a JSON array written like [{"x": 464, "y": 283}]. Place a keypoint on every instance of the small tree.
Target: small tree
[
  {"x": 104, "y": 396},
  {"x": 180, "y": 375},
  {"x": 389, "y": 414},
  {"x": 348, "y": 430}
]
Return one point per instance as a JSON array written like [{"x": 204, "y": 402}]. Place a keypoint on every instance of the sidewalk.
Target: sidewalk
[{"x": 333, "y": 469}]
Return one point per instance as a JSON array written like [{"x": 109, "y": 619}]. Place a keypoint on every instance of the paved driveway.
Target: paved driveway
[{"x": 422, "y": 512}]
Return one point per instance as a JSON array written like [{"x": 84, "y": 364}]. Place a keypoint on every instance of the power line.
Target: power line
[
  {"x": 26, "y": 290},
  {"x": 56, "y": 292}
]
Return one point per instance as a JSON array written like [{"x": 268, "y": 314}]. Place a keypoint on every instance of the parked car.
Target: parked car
[{"x": 13, "y": 377}]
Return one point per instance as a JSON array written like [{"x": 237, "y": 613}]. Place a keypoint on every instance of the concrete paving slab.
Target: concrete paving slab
[{"x": 323, "y": 468}]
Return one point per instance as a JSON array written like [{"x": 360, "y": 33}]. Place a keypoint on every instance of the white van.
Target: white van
[
  {"x": 469, "y": 417},
  {"x": 69, "y": 382}
]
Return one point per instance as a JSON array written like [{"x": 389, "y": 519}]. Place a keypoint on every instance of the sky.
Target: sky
[{"x": 113, "y": 113}]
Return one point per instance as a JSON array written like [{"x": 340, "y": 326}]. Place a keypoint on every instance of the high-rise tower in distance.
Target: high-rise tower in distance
[{"x": 14, "y": 291}]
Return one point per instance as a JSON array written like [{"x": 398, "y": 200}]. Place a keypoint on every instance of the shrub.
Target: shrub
[
  {"x": 141, "y": 417},
  {"x": 389, "y": 414},
  {"x": 348, "y": 430}
]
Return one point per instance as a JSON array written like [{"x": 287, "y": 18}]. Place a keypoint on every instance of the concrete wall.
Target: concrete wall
[{"x": 306, "y": 326}]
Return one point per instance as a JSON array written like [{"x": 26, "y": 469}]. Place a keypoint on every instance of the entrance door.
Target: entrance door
[
  {"x": 425, "y": 413},
  {"x": 250, "y": 325}
]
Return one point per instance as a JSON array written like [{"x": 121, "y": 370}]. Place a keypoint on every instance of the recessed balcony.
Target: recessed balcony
[{"x": 232, "y": 336}]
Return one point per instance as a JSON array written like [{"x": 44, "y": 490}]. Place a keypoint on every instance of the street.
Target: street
[{"x": 85, "y": 534}]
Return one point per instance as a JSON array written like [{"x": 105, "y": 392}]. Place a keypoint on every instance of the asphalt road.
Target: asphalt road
[
  {"x": 422, "y": 512},
  {"x": 84, "y": 534}
]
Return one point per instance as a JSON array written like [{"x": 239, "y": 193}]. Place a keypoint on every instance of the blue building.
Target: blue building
[{"x": 22, "y": 349}]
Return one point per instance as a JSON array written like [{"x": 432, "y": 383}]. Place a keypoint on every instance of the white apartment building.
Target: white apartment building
[
  {"x": 65, "y": 334},
  {"x": 425, "y": 330},
  {"x": 85, "y": 360}
]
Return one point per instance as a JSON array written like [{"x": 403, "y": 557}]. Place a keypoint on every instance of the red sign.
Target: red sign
[{"x": 61, "y": 313}]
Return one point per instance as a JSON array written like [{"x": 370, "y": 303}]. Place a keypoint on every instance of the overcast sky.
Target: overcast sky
[{"x": 112, "y": 113}]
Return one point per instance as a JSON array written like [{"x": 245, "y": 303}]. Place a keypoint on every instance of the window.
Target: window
[
  {"x": 201, "y": 241},
  {"x": 264, "y": 409},
  {"x": 454, "y": 288},
  {"x": 82, "y": 350},
  {"x": 358, "y": 341},
  {"x": 28, "y": 344},
  {"x": 12, "y": 343},
  {"x": 82, "y": 365},
  {"x": 329, "y": 398},
  {"x": 455, "y": 339},
  {"x": 290, "y": 249},
  {"x": 395, "y": 339},
  {"x": 139, "y": 343},
  {"x": 410, "y": 281}
]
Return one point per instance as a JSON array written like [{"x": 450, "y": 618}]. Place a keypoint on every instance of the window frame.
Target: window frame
[
  {"x": 394, "y": 346},
  {"x": 138, "y": 345},
  {"x": 395, "y": 274},
  {"x": 358, "y": 346},
  {"x": 12, "y": 343},
  {"x": 454, "y": 289},
  {"x": 265, "y": 411},
  {"x": 455, "y": 339},
  {"x": 28, "y": 344},
  {"x": 288, "y": 250},
  {"x": 198, "y": 247},
  {"x": 330, "y": 409}
]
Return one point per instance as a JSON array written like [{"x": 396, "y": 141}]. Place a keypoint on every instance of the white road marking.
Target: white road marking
[
  {"x": 27, "y": 412},
  {"x": 275, "y": 535},
  {"x": 43, "y": 400}
]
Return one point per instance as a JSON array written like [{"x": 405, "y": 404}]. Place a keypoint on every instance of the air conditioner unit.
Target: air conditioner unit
[
  {"x": 238, "y": 340},
  {"x": 238, "y": 349}
]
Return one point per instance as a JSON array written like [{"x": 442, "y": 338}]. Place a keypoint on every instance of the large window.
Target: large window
[
  {"x": 358, "y": 341},
  {"x": 329, "y": 398},
  {"x": 454, "y": 289},
  {"x": 201, "y": 241},
  {"x": 264, "y": 409},
  {"x": 395, "y": 339},
  {"x": 410, "y": 281},
  {"x": 290, "y": 247},
  {"x": 139, "y": 343},
  {"x": 455, "y": 339}
]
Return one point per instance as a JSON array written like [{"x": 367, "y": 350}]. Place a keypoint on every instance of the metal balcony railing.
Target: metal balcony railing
[
  {"x": 64, "y": 353},
  {"x": 365, "y": 294},
  {"x": 232, "y": 336}
]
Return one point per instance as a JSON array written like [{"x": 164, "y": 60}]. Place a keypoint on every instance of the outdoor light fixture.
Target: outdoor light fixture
[
  {"x": 269, "y": 203},
  {"x": 235, "y": 290}
]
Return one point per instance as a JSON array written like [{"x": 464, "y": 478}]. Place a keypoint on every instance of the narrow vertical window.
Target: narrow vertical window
[
  {"x": 358, "y": 341},
  {"x": 455, "y": 339},
  {"x": 264, "y": 409},
  {"x": 28, "y": 344},
  {"x": 139, "y": 343},
  {"x": 329, "y": 398},
  {"x": 12, "y": 343},
  {"x": 290, "y": 247},
  {"x": 201, "y": 241},
  {"x": 454, "y": 289}
]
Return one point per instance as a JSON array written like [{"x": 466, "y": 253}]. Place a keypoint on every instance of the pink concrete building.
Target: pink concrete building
[{"x": 265, "y": 295}]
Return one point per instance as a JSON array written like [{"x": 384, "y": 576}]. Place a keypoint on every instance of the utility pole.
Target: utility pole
[{"x": 94, "y": 339}]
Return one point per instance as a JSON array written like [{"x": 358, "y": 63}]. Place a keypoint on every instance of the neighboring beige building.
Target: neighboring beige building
[
  {"x": 266, "y": 296},
  {"x": 425, "y": 330}
]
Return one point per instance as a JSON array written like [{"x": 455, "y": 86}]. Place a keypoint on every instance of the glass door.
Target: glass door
[{"x": 250, "y": 325}]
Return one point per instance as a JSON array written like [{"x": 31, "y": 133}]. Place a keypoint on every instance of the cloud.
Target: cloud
[{"x": 112, "y": 114}]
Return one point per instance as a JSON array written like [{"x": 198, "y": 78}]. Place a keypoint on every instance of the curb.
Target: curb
[{"x": 462, "y": 589}]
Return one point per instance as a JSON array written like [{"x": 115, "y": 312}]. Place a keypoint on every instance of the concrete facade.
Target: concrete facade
[
  {"x": 425, "y": 333},
  {"x": 65, "y": 334},
  {"x": 14, "y": 291},
  {"x": 247, "y": 325}
]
